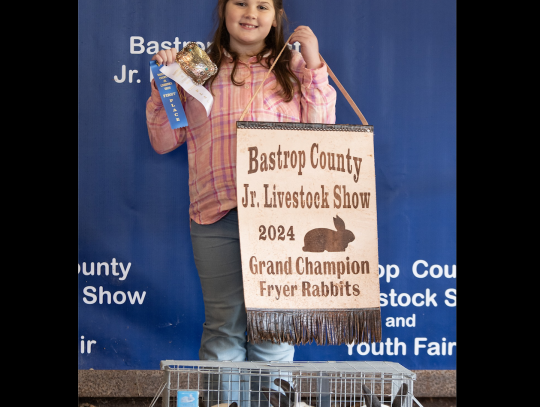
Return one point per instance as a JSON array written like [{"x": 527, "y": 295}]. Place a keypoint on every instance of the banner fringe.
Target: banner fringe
[{"x": 324, "y": 327}]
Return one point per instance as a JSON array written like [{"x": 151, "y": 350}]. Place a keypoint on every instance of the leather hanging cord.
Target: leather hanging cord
[
  {"x": 342, "y": 89},
  {"x": 265, "y": 78},
  {"x": 338, "y": 83}
]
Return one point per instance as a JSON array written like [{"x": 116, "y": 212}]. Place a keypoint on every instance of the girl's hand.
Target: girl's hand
[
  {"x": 310, "y": 46},
  {"x": 165, "y": 56}
]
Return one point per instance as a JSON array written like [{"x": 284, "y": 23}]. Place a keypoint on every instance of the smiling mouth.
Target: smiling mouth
[{"x": 248, "y": 25}]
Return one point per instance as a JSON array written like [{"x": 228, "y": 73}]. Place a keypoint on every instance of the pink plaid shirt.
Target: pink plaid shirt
[{"x": 211, "y": 141}]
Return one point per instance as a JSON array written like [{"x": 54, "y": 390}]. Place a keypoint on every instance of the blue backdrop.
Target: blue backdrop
[{"x": 396, "y": 59}]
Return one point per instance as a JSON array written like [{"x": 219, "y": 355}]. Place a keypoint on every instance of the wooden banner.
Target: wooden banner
[{"x": 308, "y": 232}]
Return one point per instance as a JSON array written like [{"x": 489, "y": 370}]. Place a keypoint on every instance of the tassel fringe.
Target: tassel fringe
[{"x": 324, "y": 327}]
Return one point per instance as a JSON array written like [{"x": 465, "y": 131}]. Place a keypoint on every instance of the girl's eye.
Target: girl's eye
[{"x": 243, "y": 4}]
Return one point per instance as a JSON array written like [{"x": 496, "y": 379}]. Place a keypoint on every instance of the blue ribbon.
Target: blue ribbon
[{"x": 170, "y": 98}]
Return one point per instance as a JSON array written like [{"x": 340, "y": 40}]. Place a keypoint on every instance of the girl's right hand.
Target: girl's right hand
[{"x": 165, "y": 56}]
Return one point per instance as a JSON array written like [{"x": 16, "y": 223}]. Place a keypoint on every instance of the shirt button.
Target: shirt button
[{"x": 246, "y": 86}]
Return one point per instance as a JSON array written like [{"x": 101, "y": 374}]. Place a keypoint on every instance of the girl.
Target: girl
[{"x": 248, "y": 38}]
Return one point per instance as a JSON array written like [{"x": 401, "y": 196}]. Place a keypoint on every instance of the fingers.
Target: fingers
[
  {"x": 310, "y": 46},
  {"x": 302, "y": 28},
  {"x": 165, "y": 56},
  {"x": 305, "y": 36},
  {"x": 173, "y": 54},
  {"x": 301, "y": 32}
]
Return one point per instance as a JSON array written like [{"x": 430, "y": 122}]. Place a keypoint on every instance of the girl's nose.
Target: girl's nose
[{"x": 250, "y": 12}]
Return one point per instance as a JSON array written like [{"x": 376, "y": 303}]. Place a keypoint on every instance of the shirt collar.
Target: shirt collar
[{"x": 252, "y": 59}]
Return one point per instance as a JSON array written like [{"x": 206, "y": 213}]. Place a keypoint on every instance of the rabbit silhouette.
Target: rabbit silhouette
[{"x": 321, "y": 239}]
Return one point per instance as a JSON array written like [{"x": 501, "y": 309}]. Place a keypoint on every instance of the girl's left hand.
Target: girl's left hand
[{"x": 310, "y": 46}]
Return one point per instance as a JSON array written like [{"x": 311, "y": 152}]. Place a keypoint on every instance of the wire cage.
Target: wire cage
[{"x": 285, "y": 384}]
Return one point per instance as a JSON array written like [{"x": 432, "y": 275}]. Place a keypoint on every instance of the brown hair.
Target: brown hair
[{"x": 274, "y": 42}]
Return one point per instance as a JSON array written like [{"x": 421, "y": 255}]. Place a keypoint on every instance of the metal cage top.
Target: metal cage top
[{"x": 382, "y": 368}]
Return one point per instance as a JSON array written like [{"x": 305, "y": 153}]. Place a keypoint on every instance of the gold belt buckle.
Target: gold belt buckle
[{"x": 196, "y": 63}]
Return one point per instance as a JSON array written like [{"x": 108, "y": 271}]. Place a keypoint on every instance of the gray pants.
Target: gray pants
[{"x": 216, "y": 249}]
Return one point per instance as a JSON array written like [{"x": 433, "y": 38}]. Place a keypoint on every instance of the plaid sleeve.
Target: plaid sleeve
[{"x": 318, "y": 103}]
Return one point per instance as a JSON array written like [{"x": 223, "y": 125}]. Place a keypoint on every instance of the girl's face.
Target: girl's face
[{"x": 248, "y": 23}]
